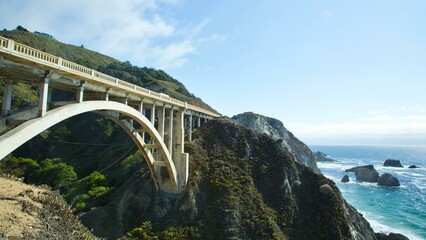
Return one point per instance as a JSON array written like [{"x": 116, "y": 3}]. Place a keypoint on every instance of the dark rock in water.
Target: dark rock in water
[
  {"x": 392, "y": 163},
  {"x": 366, "y": 175},
  {"x": 391, "y": 236},
  {"x": 413, "y": 166},
  {"x": 275, "y": 128},
  {"x": 345, "y": 179},
  {"x": 388, "y": 180},
  {"x": 322, "y": 157},
  {"x": 371, "y": 167}
]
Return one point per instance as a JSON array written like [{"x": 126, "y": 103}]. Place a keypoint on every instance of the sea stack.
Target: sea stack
[
  {"x": 388, "y": 180},
  {"x": 392, "y": 163}
]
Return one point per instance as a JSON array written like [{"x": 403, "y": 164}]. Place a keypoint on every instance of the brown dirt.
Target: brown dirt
[{"x": 34, "y": 212}]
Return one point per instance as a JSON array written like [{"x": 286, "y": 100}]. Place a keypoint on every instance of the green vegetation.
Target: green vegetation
[
  {"x": 146, "y": 232},
  {"x": 89, "y": 192},
  {"x": 52, "y": 172}
]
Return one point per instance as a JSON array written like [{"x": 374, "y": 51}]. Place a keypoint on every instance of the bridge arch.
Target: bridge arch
[{"x": 26, "y": 131}]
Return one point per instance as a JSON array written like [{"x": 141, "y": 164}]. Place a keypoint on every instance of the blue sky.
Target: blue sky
[{"x": 334, "y": 72}]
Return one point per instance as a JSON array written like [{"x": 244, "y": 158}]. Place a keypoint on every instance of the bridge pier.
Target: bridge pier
[
  {"x": 44, "y": 96},
  {"x": 7, "y": 98},
  {"x": 80, "y": 92},
  {"x": 161, "y": 120},
  {"x": 170, "y": 137}
]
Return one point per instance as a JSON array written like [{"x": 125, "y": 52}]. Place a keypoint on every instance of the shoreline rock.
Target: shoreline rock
[
  {"x": 392, "y": 163},
  {"x": 322, "y": 157},
  {"x": 391, "y": 236},
  {"x": 413, "y": 166},
  {"x": 345, "y": 179},
  {"x": 388, "y": 180},
  {"x": 365, "y": 173},
  {"x": 355, "y": 168}
]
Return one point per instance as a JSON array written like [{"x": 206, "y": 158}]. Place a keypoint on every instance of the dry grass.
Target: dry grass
[{"x": 34, "y": 212}]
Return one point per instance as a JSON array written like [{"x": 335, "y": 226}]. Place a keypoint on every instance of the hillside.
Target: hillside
[
  {"x": 29, "y": 212},
  {"x": 243, "y": 185}
]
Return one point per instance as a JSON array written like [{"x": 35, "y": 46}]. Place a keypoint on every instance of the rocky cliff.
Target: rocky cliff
[
  {"x": 276, "y": 130},
  {"x": 243, "y": 185}
]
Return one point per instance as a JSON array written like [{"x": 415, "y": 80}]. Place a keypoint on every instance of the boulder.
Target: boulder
[
  {"x": 366, "y": 175},
  {"x": 322, "y": 157},
  {"x": 355, "y": 168},
  {"x": 326, "y": 189},
  {"x": 388, "y": 180},
  {"x": 413, "y": 166},
  {"x": 391, "y": 236},
  {"x": 345, "y": 179},
  {"x": 392, "y": 163}
]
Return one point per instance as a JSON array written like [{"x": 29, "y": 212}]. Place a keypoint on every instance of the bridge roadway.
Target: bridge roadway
[{"x": 156, "y": 122}]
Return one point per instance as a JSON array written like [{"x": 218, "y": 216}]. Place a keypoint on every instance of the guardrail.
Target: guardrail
[{"x": 65, "y": 65}]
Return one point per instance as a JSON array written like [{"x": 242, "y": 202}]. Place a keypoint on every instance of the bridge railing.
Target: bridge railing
[
  {"x": 65, "y": 65},
  {"x": 3, "y": 42}
]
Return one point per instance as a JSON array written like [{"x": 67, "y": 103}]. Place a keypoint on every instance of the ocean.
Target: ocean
[{"x": 388, "y": 209}]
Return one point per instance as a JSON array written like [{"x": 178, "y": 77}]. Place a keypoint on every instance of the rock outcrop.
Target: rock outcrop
[
  {"x": 276, "y": 130},
  {"x": 265, "y": 194},
  {"x": 345, "y": 179},
  {"x": 413, "y": 166},
  {"x": 365, "y": 173},
  {"x": 391, "y": 236},
  {"x": 371, "y": 167},
  {"x": 388, "y": 180},
  {"x": 392, "y": 163},
  {"x": 322, "y": 157}
]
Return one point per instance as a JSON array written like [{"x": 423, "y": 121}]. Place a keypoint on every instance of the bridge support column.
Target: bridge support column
[
  {"x": 199, "y": 122},
  {"x": 190, "y": 128},
  {"x": 142, "y": 111},
  {"x": 153, "y": 114},
  {"x": 44, "y": 95},
  {"x": 7, "y": 98},
  {"x": 161, "y": 120},
  {"x": 106, "y": 95},
  {"x": 80, "y": 92},
  {"x": 170, "y": 139},
  {"x": 180, "y": 158}
]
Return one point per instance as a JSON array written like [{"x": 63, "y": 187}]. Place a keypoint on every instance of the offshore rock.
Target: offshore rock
[
  {"x": 345, "y": 179},
  {"x": 322, "y": 157},
  {"x": 388, "y": 180},
  {"x": 371, "y": 167},
  {"x": 276, "y": 130},
  {"x": 391, "y": 236},
  {"x": 392, "y": 163},
  {"x": 366, "y": 175},
  {"x": 413, "y": 166}
]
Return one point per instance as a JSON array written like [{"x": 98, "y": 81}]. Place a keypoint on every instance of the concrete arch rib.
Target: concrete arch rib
[{"x": 24, "y": 132}]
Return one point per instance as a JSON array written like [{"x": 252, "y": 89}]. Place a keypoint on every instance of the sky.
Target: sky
[{"x": 335, "y": 72}]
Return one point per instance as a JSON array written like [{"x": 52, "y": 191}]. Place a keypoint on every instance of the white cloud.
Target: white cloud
[
  {"x": 385, "y": 128},
  {"x": 131, "y": 30}
]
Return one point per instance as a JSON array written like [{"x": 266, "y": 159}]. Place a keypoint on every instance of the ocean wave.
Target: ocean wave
[{"x": 378, "y": 226}]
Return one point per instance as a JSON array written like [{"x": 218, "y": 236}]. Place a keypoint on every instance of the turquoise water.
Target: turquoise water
[{"x": 397, "y": 209}]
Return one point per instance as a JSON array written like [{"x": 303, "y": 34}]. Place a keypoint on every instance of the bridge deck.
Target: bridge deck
[{"x": 19, "y": 53}]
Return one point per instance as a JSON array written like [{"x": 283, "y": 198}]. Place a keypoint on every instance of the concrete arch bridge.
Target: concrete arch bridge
[{"x": 156, "y": 122}]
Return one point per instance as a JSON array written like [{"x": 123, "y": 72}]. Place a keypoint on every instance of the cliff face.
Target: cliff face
[
  {"x": 243, "y": 185},
  {"x": 276, "y": 130}
]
